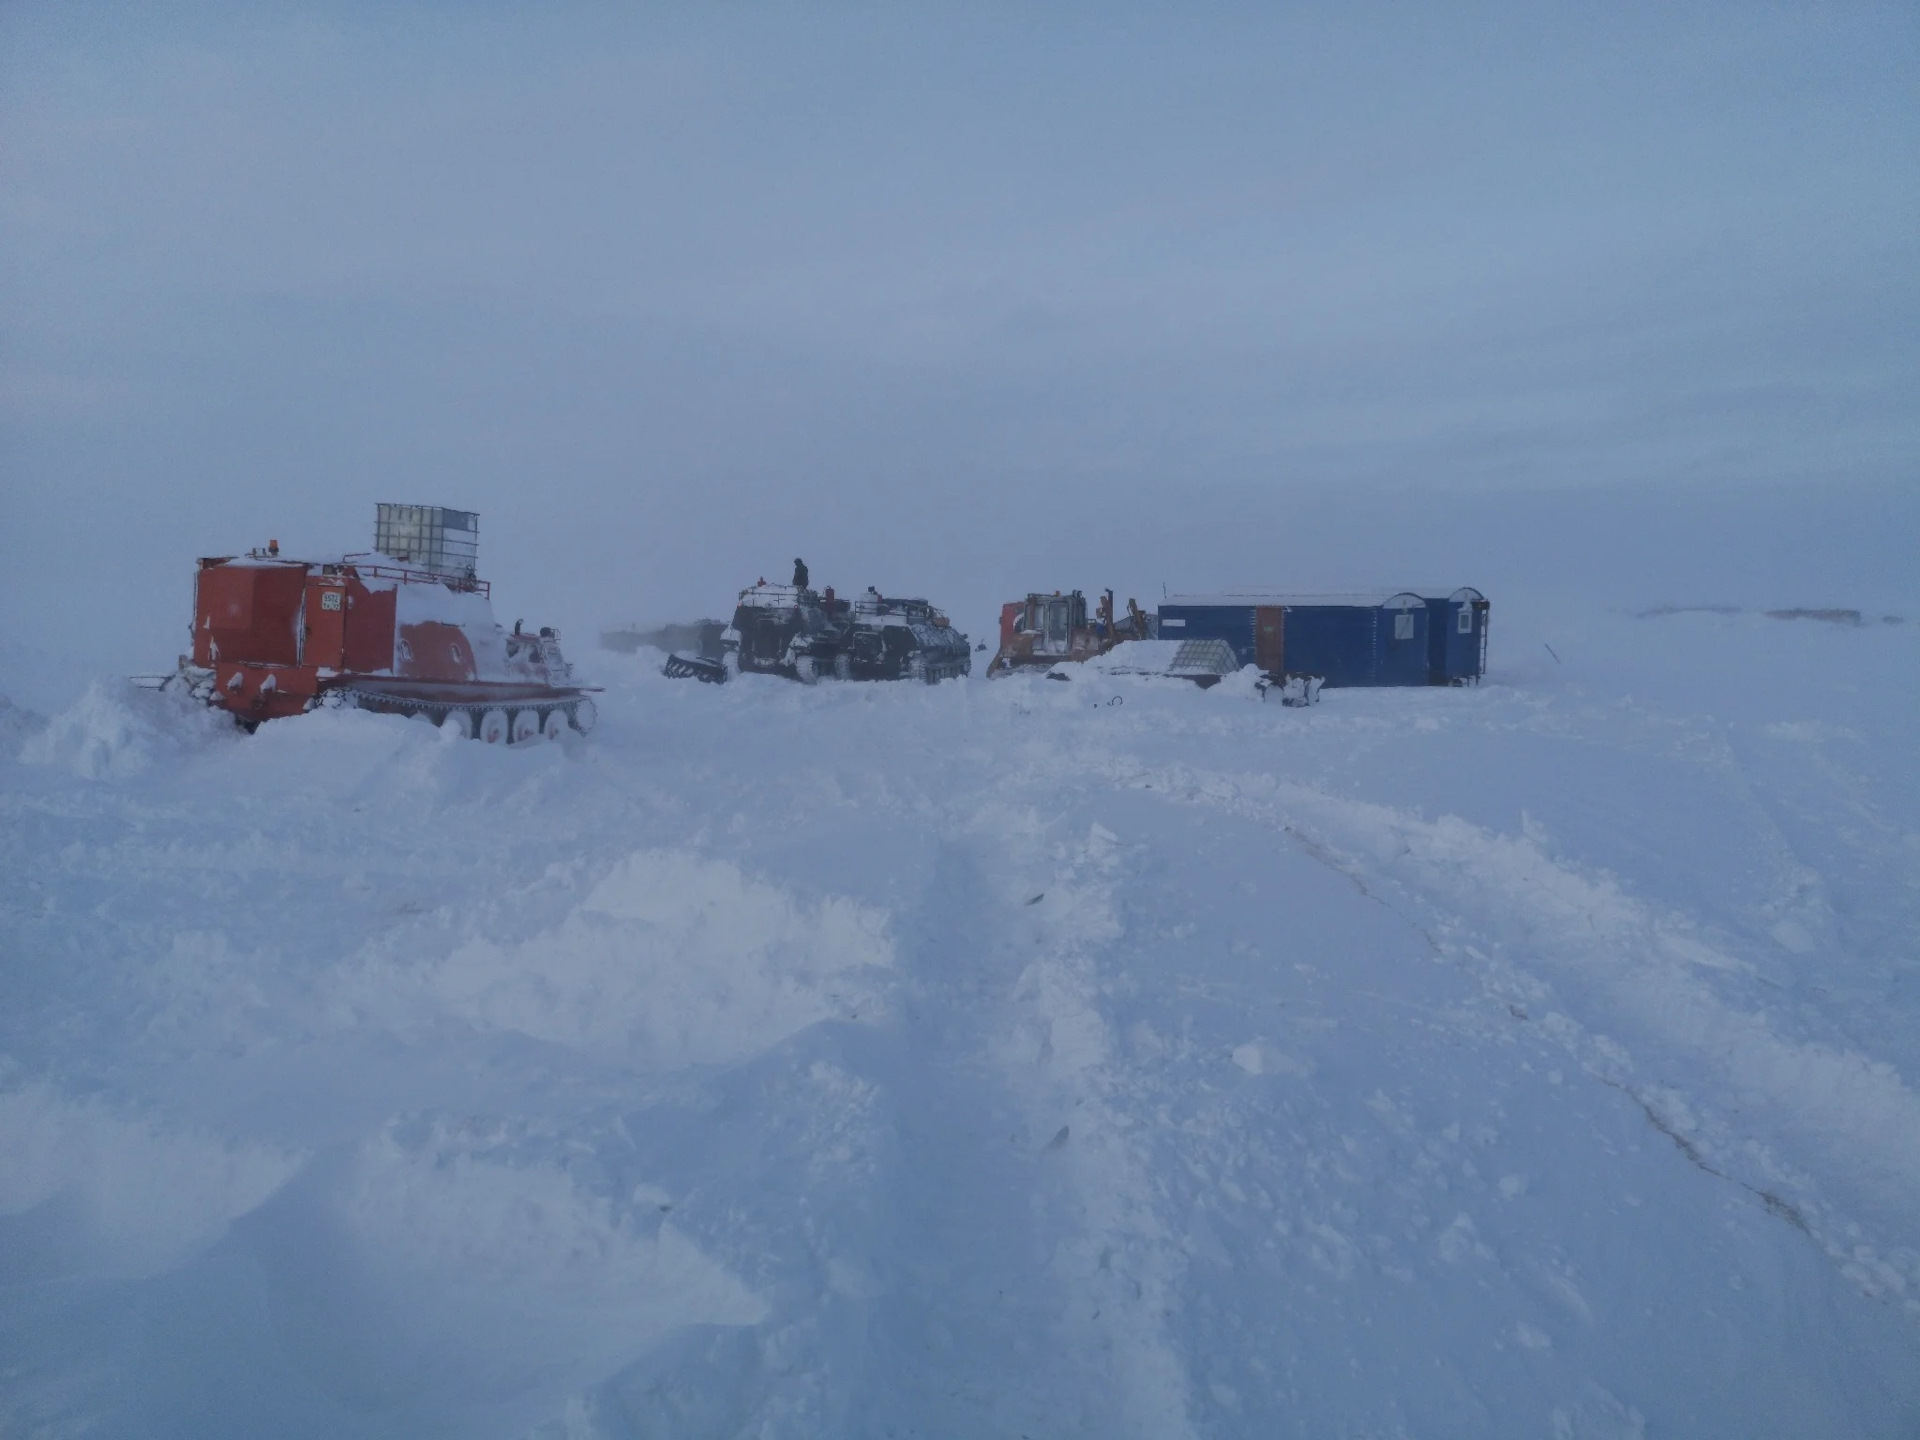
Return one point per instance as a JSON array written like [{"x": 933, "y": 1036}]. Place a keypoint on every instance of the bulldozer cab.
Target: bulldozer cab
[{"x": 1053, "y": 619}]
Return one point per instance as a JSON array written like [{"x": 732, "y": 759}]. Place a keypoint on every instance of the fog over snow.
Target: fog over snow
[
  {"x": 962, "y": 299},
  {"x": 990, "y": 1058}
]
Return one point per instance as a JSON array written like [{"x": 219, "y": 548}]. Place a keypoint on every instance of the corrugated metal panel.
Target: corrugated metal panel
[
  {"x": 1335, "y": 642},
  {"x": 1347, "y": 640},
  {"x": 1439, "y": 621}
]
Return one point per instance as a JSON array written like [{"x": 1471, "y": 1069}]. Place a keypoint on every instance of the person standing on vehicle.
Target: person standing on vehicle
[{"x": 799, "y": 573}]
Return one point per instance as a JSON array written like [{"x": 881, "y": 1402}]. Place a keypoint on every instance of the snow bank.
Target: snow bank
[
  {"x": 473, "y": 1266},
  {"x": 673, "y": 959},
  {"x": 1134, "y": 657},
  {"x": 1650, "y": 963},
  {"x": 474, "y": 1208},
  {"x": 116, "y": 730},
  {"x": 16, "y": 725},
  {"x": 130, "y": 1196},
  {"x": 1610, "y": 952},
  {"x": 1106, "y": 1058},
  {"x": 1243, "y": 684},
  {"x": 332, "y": 737}
]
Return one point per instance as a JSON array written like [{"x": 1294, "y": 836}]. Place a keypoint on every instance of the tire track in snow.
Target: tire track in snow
[
  {"x": 1644, "y": 967},
  {"x": 1121, "y": 1262}
]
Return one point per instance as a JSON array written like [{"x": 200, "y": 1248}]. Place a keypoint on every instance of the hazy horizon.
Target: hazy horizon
[{"x": 962, "y": 302}]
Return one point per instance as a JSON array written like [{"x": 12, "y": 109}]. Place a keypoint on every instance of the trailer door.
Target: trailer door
[
  {"x": 325, "y": 622},
  {"x": 1270, "y": 638},
  {"x": 248, "y": 612}
]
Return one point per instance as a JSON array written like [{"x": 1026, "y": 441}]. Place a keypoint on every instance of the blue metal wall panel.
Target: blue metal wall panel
[
  {"x": 1231, "y": 623},
  {"x": 1439, "y": 646},
  {"x": 1456, "y": 655},
  {"x": 1463, "y": 650},
  {"x": 1345, "y": 645},
  {"x": 1398, "y": 661},
  {"x": 1467, "y": 653},
  {"x": 1335, "y": 642}
]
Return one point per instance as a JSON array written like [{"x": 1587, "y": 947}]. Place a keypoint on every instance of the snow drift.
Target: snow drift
[{"x": 1018, "y": 1058}]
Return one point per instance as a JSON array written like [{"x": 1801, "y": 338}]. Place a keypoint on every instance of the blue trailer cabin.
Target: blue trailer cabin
[
  {"x": 1372, "y": 639},
  {"x": 1457, "y": 637}
]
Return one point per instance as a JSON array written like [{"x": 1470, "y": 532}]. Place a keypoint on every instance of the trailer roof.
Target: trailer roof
[{"x": 1363, "y": 599}]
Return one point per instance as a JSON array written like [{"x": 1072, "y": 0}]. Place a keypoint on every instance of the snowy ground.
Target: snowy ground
[{"x": 1014, "y": 1059}]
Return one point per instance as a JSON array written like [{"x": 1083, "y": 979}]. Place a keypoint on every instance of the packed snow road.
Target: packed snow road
[{"x": 1024, "y": 1058}]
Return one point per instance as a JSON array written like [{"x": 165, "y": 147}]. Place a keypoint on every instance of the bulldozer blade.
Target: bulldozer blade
[{"x": 695, "y": 667}]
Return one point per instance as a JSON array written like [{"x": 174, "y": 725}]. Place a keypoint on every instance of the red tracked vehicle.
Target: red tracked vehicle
[{"x": 406, "y": 629}]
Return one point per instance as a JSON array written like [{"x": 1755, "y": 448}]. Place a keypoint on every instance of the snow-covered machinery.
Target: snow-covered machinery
[
  {"x": 1203, "y": 662},
  {"x": 809, "y": 635},
  {"x": 406, "y": 629},
  {"x": 1054, "y": 632},
  {"x": 785, "y": 630},
  {"x": 1046, "y": 630},
  {"x": 899, "y": 639}
]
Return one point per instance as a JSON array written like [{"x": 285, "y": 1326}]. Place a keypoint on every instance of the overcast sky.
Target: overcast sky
[{"x": 964, "y": 299}]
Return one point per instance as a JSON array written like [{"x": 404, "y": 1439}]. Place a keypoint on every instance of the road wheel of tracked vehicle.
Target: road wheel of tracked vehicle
[
  {"x": 494, "y": 727},
  {"x": 460, "y": 722},
  {"x": 526, "y": 726},
  {"x": 843, "y": 666},
  {"x": 582, "y": 714},
  {"x": 555, "y": 725},
  {"x": 917, "y": 670}
]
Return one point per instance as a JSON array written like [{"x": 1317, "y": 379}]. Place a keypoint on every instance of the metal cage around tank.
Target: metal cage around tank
[{"x": 429, "y": 537}]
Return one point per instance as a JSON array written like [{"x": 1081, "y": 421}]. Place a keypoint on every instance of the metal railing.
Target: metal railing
[
  {"x": 466, "y": 584},
  {"x": 772, "y": 597}
]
